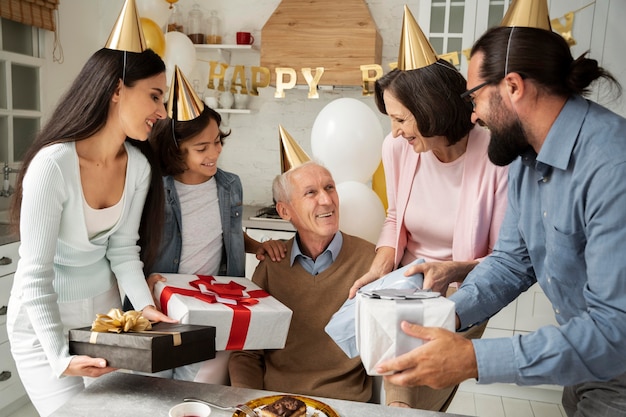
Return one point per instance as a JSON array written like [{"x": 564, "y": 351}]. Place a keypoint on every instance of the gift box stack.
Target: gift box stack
[{"x": 245, "y": 316}]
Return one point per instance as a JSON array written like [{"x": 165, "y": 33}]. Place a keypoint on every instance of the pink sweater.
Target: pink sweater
[{"x": 482, "y": 202}]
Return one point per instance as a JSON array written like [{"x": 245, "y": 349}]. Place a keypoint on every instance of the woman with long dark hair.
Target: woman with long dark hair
[{"x": 79, "y": 203}]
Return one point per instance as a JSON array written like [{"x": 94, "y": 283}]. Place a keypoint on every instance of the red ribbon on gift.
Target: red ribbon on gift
[{"x": 232, "y": 291}]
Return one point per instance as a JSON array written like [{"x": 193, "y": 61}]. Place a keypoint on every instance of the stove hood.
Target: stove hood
[{"x": 338, "y": 35}]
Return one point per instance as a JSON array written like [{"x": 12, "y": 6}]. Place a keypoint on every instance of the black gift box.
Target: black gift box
[{"x": 166, "y": 346}]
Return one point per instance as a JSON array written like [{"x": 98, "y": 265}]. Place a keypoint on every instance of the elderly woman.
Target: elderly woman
[{"x": 446, "y": 199}]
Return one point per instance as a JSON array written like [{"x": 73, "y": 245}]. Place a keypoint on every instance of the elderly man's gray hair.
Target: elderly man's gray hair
[{"x": 281, "y": 187}]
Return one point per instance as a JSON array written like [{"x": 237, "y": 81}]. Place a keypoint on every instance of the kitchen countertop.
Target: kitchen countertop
[
  {"x": 121, "y": 394},
  {"x": 262, "y": 223},
  {"x": 6, "y": 235}
]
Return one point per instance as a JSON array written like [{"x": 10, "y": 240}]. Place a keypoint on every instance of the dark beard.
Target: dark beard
[{"x": 507, "y": 142}]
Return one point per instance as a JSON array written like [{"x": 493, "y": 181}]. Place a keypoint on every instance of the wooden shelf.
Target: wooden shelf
[
  {"x": 234, "y": 111},
  {"x": 230, "y": 47}
]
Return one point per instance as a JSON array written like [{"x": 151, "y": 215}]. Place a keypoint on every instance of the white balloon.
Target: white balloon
[
  {"x": 347, "y": 138},
  {"x": 179, "y": 50},
  {"x": 156, "y": 10},
  {"x": 361, "y": 213}
]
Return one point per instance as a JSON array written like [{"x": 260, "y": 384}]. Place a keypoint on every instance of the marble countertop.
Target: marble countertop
[{"x": 121, "y": 394}]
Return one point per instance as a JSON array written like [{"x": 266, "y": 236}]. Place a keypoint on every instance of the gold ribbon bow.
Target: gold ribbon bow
[{"x": 116, "y": 321}]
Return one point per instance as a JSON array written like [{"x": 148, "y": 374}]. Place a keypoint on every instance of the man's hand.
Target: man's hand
[
  {"x": 87, "y": 366},
  {"x": 275, "y": 249},
  {"x": 438, "y": 275},
  {"x": 444, "y": 360}
]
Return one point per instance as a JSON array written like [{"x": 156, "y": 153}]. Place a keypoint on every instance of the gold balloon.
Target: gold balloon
[
  {"x": 152, "y": 33},
  {"x": 379, "y": 186},
  {"x": 171, "y": 2}
]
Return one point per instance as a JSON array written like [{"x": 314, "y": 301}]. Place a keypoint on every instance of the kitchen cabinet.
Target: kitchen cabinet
[
  {"x": 263, "y": 229},
  {"x": 262, "y": 235},
  {"x": 11, "y": 389},
  {"x": 530, "y": 311}
]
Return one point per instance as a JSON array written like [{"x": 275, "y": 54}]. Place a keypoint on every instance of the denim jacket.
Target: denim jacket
[{"x": 230, "y": 195}]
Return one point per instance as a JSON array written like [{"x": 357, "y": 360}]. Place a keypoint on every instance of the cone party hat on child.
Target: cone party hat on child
[
  {"x": 291, "y": 154},
  {"x": 127, "y": 34},
  {"x": 528, "y": 13},
  {"x": 415, "y": 49},
  {"x": 183, "y": 103}
]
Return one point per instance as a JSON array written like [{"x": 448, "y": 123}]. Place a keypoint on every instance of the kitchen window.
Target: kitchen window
[{"x": 20, "y": 88}]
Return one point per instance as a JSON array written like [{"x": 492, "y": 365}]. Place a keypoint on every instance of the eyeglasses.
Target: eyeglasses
[{"x": 468, "y": 93}]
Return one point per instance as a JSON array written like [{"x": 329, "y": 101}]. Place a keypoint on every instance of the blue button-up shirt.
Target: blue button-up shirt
[
  {"x": 565, "y": 228},
  {"x": 322, "y": 262}
]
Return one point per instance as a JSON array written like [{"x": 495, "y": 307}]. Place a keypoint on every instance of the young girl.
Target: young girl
[{"x": 203, "y": 231}]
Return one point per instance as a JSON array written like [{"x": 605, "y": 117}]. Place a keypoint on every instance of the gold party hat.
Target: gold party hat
[
  {"x": 183, "y": 103},
  {"x": 528, "y": 13},
  {"x": 291, "y": 154},
  {"x": 127, "y": 34},
  {"x": 415, "y": 49}
]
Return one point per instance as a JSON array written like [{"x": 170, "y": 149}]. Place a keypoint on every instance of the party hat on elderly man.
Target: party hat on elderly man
[
  {"x": 291, "y": 154},
  {"x": 415, "y": 49},
  {"x": 183, "y": 103},
  {"x": 127, "y": 34},
  {"x": 527, "y": 13}
]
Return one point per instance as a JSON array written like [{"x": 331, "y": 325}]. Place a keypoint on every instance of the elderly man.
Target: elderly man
[
  {"x": 564, "y": 228},
  {"x": 313, "y": 279}
]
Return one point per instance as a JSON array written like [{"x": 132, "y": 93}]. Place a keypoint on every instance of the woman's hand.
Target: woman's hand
[
  {"x": 381, "y": 265},
  {"x": 275, "y": 249},
  {"x": 87, "y": 366},
  {"x": 439, "y": 275},
  {"x": 155, "y": 316},
  {"x": 152, "y": 280}
]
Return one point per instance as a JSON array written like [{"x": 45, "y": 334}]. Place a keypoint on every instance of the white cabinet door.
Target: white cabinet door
[
  {"x": 262, "y": 235},
  {"x": 534, "y": 310}
]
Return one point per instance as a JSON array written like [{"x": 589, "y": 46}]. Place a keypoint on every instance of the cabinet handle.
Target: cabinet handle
[
  {"x": 3, "y": 311},
  {"x": 5, "y": 261},
  {"x": 4, "y": 375}
]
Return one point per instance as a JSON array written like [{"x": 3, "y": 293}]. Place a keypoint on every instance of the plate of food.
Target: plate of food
[{"x": 288, "y": 406}]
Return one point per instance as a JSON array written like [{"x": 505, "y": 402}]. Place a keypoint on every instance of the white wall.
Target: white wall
[{"x": 252, "y": 149}]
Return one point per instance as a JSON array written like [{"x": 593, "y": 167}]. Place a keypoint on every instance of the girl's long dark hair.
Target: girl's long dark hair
[{"x": 83, "y": 110}]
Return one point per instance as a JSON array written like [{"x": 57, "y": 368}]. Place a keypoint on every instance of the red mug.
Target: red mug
[{"x": 245, "y": 38}]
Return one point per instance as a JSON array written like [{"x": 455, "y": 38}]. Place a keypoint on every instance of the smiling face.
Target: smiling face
[
  {"x": 201, "y": 153},
  {"x": 403, "y": 125},
  {"x": 508, "y": 139},
  {"x": 141, "y": 105},
  {"x": 313, "y": 206}
]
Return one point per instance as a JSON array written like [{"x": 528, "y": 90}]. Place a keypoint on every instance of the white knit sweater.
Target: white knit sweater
[{"x": 57, "y": 260}]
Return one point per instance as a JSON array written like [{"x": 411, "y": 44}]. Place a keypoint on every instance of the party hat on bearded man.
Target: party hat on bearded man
[
  {"x": 291, "y": 154},
  {"x": 183, "y": 103},
  {"x": 528, "y": 13},
  {"x": 415, "y": 49},
  {"x": 127, "y": 34}
]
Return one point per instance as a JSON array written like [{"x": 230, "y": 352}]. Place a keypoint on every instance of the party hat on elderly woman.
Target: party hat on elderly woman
[
  {"x": 528, "y": 13},
  {"x": 183, "y": 103},
  {"x": 127, "y": 34},
  {"x": 291, "y": 154},
  {"x": 415, "y": 49}
]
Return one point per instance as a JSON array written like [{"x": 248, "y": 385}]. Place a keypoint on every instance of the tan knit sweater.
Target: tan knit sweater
[{"x": 311, "y": 363}]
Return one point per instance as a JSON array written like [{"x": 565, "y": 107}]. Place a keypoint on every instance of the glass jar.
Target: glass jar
[
  {"x": 195, "y": 29},
  {"x": 175, "y": 21},
  {"x": 214, "y": 36}
]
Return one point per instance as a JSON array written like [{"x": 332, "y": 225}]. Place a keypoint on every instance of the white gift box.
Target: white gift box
[
  {"x": 379, "y": 314},
  {"x": 240, "y": 324}
]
